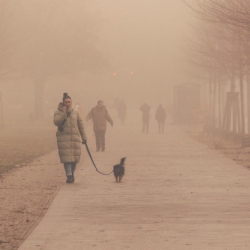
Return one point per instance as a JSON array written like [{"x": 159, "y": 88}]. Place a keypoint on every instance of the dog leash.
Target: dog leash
[{"x": 90, "y": 156}]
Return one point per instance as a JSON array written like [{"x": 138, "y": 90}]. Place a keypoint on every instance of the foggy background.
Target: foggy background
[{"x": 99, "y": 49}]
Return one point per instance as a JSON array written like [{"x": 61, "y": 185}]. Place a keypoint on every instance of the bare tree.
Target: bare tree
[
  {"x": 8, "y": 40},
  {"x": 228, "y": 36},
  {"x": 60, "y": 39}
]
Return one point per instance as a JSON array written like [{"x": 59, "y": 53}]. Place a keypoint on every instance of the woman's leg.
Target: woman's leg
[
  {"x": 73, "y": 168},
  {"x": 67, "y": 167},
  {"x": 68, "y": 171}
]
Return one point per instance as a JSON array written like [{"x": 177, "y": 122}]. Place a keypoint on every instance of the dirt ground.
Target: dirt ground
[
  {"x": 228, "y": 147},
  {"x": 19, "y": 146},
  {"x": 176, "y": 194},
  {"x": 25, "y": 191}
]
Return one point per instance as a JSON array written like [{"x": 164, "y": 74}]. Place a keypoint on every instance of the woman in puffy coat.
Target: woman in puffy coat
[{"x": 70, "y": 133}]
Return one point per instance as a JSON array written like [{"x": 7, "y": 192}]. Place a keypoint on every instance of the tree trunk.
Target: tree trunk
[
  {"x": 248, "y": 104},
  {"x": 1, "y": 112},
  {"x": 226, "y": 111},
  {"x": 242, "y": 106},
  {"x": 234, "y": 115},
  {"x": 233, "y": 81},
  {"x": 210, "y": 96},
  {"x": 237, "y": 106},
  {"x": 219, "y": 101},
  {"x": 214, "y": 101}
]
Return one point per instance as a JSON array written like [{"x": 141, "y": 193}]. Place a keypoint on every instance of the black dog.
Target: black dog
[{"x": 119, "y": 170}]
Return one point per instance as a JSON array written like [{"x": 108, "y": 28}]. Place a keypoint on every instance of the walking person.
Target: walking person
[
  {"x": 99, "y": 115},
  {"x": 145, "y": 109},
  {"x": 160, "y": 117},
  {"x": 122, "y": 111},
  {"x": 70, "y": 135}
]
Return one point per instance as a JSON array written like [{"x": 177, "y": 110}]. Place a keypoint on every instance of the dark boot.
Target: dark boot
[{"x": 69, "y": 179}]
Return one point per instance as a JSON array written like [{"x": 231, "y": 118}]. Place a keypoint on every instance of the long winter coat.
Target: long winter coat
[
  {"x": 69, "y": 134},
  {"x": 100, "y": 116}
]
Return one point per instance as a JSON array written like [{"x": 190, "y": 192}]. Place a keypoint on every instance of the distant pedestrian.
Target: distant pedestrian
[
  {"x": 70, "y": 134},
  {"x": 122, "y": 111},
  {"x": 99, "y": 115},
  {"x": 145, "y": 109},
  {"x": 160, "y": 117}
]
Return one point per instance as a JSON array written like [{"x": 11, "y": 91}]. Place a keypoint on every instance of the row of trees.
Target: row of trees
[
  {"x": 219, "y": 47},
  {"x": 44, "y": 38}
]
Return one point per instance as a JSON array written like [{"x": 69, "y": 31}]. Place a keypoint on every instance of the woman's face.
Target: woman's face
[{"x": 67, "y": 102}]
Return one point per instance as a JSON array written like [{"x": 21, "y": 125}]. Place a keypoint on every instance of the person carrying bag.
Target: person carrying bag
[{"x": 70, "y": 135}]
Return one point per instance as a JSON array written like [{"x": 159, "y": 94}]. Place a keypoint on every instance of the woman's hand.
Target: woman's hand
[{"x": 64, "y": 109}]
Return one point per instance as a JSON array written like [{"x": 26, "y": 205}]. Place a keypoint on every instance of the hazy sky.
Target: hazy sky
[{"x": 145, "y": 37}]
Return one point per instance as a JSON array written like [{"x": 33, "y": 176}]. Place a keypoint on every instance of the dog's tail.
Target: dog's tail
[{"x": 122, "y": 160}]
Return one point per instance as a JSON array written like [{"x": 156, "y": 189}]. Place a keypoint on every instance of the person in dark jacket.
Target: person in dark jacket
[
  {"x": 160, "y": 117},
  {"x": 145, "y": 109},
  {"x": 99, "y": 115}
]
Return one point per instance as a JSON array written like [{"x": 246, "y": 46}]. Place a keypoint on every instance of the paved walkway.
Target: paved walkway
[{"x": 176, "y": 194}]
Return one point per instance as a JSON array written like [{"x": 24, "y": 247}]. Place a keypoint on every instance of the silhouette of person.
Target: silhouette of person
[
  {"x": 122, "y": 111},
  {"x": 160, "y": 117},
  {"x": 99, "y": 114},
  {"x": 145, "y": 109}
]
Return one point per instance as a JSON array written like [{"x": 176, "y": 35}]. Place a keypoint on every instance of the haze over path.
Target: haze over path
[{"x": 176, "y": 194}]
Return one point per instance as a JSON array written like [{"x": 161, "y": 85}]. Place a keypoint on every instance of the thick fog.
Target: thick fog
[
  {"x": 131, "y": 50},
  {"x": 145, "y": 39}
]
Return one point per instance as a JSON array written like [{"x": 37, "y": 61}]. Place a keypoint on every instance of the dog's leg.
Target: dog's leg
[{"x": 116, "y": 178}]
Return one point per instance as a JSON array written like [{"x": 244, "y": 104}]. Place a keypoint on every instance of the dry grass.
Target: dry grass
[
  {"x": 231, "y": 149},
  {"x": 20, "y": 146}
]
